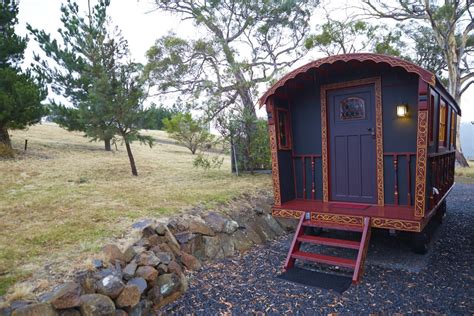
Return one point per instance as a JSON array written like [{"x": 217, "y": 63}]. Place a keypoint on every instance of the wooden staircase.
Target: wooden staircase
[{"x": 354, "y": 264}]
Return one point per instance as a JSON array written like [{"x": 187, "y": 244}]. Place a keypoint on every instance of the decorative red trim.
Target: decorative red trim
[
  {"x": 424, "y": 74},
  {"x": 274, "y": 153},
  {"x": 421, "y": 162}
]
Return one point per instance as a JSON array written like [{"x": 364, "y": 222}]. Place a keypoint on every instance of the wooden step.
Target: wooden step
[
  {"x": 336, "y": 261},
  {"x": 351, "y": 228},
  {"x": 333, "y": 242}
]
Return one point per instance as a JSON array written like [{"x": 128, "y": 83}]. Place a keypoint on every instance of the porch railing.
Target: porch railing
[
  {"x": 442, "y": 174},
  {"x": 409, "y": 156},
  {"x": 306, "y": 161}
]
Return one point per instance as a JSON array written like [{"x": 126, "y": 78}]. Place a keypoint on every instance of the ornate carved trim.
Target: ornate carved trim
[
  {"x": 337, "y": 219},
  {"x": 324, "y": 144},
  {"x": 424, "y": 74},
  {"x": 376, "y": 81},
  {"x": 411, "y": 226},
  {"x": 421, "y": 161},
  {"x": 275, "y": 171},
  {"x": 287, "y": 213}
]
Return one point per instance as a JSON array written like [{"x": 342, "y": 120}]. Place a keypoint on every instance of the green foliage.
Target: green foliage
[
  {"x": 211, "y": 69},
  {"x": 207, "y": 162},
  {"x": 155, "y": 115},
  {"x": 352, "y": 35},
  {"x": 20, "y": 92},
  {"x": 261, "y": 155},
  {"x": 74, "y": 65},
  {"x": 191, "y": 133}
]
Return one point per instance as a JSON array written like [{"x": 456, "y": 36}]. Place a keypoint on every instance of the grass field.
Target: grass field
[
  {"x": 65, "y": 196},
  {"x": 465, "y": 175}
]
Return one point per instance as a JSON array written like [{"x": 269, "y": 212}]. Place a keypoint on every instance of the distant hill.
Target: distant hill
[{"x": 467, "y": 139}]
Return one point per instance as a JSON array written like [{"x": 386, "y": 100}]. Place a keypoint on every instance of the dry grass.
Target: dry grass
[
  {"x": 65, "y": 195},
  {"x": 465, "y": 175}
]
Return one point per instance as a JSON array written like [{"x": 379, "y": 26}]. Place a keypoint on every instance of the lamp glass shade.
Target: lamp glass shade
[{"x": 402, "y": 110}]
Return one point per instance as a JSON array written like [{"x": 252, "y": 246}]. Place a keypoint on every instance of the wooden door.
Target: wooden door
[{"x": 352, "y": 144}]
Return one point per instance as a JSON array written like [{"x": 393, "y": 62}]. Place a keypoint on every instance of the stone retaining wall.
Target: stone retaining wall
[{"x": 152, "y": 271}]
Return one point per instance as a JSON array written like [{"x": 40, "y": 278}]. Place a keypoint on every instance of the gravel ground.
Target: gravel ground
[{"x": 443, "y": 281}]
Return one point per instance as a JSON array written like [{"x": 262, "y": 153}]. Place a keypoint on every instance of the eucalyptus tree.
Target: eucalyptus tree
[
  {"x": 452, "y": 25},
  {"x": 20, "y": 92},
  {"x": 237, "y": 47}
]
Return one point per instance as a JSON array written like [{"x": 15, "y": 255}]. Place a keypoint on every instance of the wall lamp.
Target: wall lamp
[{"x": 402, "y": 110}]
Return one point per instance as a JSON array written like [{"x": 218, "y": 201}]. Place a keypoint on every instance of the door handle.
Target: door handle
[{"x": 371, "y": 130}]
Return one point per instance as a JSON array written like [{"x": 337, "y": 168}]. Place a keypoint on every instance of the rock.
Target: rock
[
  {"x": 148, "y": 231},
  {"x": 156, "y": 249},
  {"x": 113, "y": 253},
  {"x": 190, "y": 262},
  {"x": 67, "y": 295},
  {"x": 164, "y": 257},
  {"x": 184, "y": 237},
  {"x": 212, "y": 248},
  {"x": 241, "y": 241},
  {"x": 97, "y": 305},
  {"x": 120, "y": 312},
  {"x": 143, "y": 308},
  {"x": 144, "y": 242},
  {"x": 87, "y": 282},
  {"x": 162, "y": 268},
  {"x": 230, "y": 227},
  {"x": 69, "y": 312},
  {"x": 5, "y": 309},
  {"x": 258, "y": 210},
  {"x": 215, "y": 221},
  {"x": 147, "y": 258},
  {"x": 39, "y": 309},
  {"x": 228, "y": 246},
  {"x": 142, "y": 223},
  {"x": 129, "y": 270},
  {"x": 160, "y": 229},
  {"x": 167, "y": 283},
  {"x": 174, "y": 267},
  {"x": 147, "y": 272},
  {"x": 200, "y": 227},
  {"x": 195, "y": 247},
  {"x": 154, "y": 240},
  {"x": 20, "y": 303},
  {"x": 111, "y": 286},
  {"x": 97, "y": 263},
  {"x": 166, "y": 300},
  {"x": 273, "y": 224},
  {"x": 129, "y": 297},
  {"x": 132, "y": 251},
  {"x": 140, "y": 283}
]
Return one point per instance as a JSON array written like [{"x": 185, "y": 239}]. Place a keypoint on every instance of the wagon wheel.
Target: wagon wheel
[
  {"x": 440, "y": 212},
  {"x": 420, "y": 242}
]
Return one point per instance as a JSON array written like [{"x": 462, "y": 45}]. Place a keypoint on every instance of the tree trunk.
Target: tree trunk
[
  {"x": 107, "y": 144},
  {"x": 130, "y": 157},
  {"x": 5, "y": 137}
]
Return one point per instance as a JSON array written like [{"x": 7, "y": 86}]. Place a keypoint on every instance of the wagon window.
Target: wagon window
[
  {"x": 352, "y": 108},
  {"x": 453, "y": 126},
  {"x": 284, "y": 135},
  {"x": 443, "y": 120}
]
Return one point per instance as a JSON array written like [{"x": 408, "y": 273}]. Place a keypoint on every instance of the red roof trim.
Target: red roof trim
[{"x": 424, "y": 74}]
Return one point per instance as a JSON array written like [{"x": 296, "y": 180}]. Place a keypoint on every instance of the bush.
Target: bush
[
  {"x": 6, "y": 151},
  {"x": 206, "y": 162}
]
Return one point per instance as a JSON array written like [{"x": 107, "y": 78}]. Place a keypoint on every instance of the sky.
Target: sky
[{"x": 141, "y": 28}]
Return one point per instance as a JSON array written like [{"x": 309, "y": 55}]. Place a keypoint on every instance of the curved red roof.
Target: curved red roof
[{"x": 424, "y": 74}]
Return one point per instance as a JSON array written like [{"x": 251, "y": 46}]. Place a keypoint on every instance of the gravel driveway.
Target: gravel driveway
[{"x": 440, "y": 282}]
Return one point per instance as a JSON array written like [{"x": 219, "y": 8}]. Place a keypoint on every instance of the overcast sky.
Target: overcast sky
[{"x": 140, "y": 28}]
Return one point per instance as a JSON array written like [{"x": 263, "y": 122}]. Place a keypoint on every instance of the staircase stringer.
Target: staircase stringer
[
  {"x": 362, "y": 254},
  {"x": 295, "y": 245}
]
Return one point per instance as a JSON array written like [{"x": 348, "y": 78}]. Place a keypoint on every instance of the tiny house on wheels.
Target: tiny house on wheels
[{"x": 360, "y": 141}]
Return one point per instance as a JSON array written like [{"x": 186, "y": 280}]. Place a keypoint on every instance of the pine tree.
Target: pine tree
[{"x": 20, "y": 92}]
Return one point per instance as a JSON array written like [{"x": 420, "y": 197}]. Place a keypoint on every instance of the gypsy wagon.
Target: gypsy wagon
[{"x": 360, "y": 141}]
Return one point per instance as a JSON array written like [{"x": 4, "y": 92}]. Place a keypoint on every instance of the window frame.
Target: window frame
[
  {"x": 431, "y": 117},
  {"x": 287, "y": 127},
  {"x": 442, "y": 124},
  {"x": 452, "y": 136}
]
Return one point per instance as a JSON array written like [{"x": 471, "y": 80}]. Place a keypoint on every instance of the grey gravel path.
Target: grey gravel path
[{"x": 440, "y": 282}]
